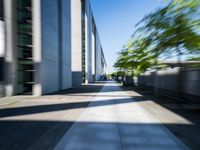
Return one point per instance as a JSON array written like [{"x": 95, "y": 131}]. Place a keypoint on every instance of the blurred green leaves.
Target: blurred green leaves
[{"x": 165, "y": 32}]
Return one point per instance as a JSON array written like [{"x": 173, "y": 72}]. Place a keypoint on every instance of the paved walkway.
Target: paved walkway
[
  {"x": 100, "y": 116},
  {"x": 114, "y": 121}
]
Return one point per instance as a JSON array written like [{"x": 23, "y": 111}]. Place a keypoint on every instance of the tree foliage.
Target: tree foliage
[
  {"x": 170, "y": 30},
  {"x": 174, "y": 28}
]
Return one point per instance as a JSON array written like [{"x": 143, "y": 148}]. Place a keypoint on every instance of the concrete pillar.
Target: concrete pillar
[
  {"x": 65, "y": 44},
  {"x": 11, "y": 48},
  {"x": 98, "y": 57},
  {"x": 76, "y": 42},
  {"x": 88, "y": 31},
  {"x": 2, "y": 53},
  {"x": 37, "y": 55},
  {"x": 86, "y": 51},
  {"x": 93, "y": 58}
]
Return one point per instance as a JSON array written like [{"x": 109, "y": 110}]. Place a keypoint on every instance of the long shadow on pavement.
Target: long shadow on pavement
[
  {"x": 17, "y": 111},
  {"x": 42, "y": 135},
  {"x": 186, "y": 109}
]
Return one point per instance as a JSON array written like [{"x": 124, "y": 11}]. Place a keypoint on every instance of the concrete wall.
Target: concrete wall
[
  {"x": 66, "y": 81},
  {"x": 2, "y": 51},
  {"x": 11, "y": 48},
  {"x": 93, "y": 56},
  {"x": 163, "y": 79},
  {"x": 2, "y": 39},
  {"x": 2, "y": 48},
  {"x": 98, "y": 57},
  {"x": 93, "y": 65},
  {"x": 50, "y": 48},
  {"x": 37, "y": 49},
  {"x": 103, "y": 63},
  {"x": 88, "y": 11},
  {"x": 55, "y": 45},
  {"x": 76, "y": 40},
  {"x": 175, "y": 82}
]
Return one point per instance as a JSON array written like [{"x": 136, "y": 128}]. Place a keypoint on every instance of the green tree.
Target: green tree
[
  {"x": 174, "y": 28},
  {"x": 136, "y": 56}
]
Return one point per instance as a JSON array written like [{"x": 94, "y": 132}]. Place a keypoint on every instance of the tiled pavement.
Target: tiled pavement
[{"x": 94, "y": 117}]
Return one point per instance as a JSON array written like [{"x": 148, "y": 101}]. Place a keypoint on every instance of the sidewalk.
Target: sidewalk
[
  {"x": 114, "y": 121},
  {"x": 40, "y": 122},
  {"x": 94, "y": 117}
]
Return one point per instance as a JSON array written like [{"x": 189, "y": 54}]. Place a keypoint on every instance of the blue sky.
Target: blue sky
[{"x": 116, "y": 19}]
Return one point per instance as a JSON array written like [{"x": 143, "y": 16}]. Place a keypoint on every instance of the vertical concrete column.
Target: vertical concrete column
[
  {"x": 89, "y": 41},
  {"x": 11, "y": 48},
  {"x": 98, "y": 57},
  {"x": 60, "y": 44},
  {"x": 37, "y": 55},
  {"x": 90, "y": 64},
  {"x": 2, "y": 53},
  {"x": 2, "y": 48},
  {"x": 65, "y": 44},
  {"x": 93, "y": 57},
  {"x": 76, "y": 41},
  {"x": 86, "y": 50},
  {"x": 2, "y": 39}
]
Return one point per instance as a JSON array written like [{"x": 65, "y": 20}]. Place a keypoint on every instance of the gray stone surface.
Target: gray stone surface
[
  {"x": 98, "y": 58},
  {"x": 40, "y": 122},
  {"x": 113, "y": 120},
  {"x": 173, "y": 81},
  {"x": 56, "y": 45},
  {"x": 76, "y": 40},
  {"x": 84, "y": 118}
]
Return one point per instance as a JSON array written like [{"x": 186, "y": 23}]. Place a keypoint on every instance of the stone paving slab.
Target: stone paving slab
[
  {"x": 84, "y": 118},
  {"x": 38, "y": 123},
  {"x": 116, "y": 121}
]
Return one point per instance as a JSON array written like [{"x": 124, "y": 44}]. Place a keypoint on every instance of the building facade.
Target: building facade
[
  {"x": 49, "y": 45},
  {"x": 87, "y": 51},
  {"x": 2, "y": 47}
]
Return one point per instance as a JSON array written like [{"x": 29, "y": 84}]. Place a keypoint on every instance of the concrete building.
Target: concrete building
[
  {"x": 49, "y": 44},
  {"x": 87, "y": 53},
  {"x": 2, "y": 47},
  {"x": 38, "y": 46}
]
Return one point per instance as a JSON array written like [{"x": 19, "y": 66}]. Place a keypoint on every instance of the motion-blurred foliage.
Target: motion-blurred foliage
[{"x": 171, "y": 30}]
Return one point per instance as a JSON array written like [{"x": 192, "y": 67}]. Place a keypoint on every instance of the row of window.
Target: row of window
[{"x": 25, "y": 65}]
